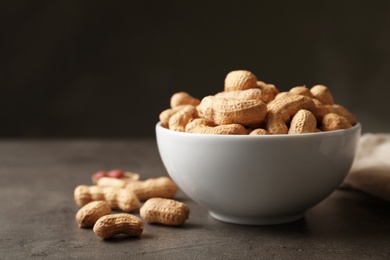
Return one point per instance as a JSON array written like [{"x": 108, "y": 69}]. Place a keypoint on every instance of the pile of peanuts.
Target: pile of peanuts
[
  {"x": 124, "y": 192},
  {"x": 251, "y": 107}
]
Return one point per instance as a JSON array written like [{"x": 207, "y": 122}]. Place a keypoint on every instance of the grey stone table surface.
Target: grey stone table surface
[{"x": 37, "y": 213}]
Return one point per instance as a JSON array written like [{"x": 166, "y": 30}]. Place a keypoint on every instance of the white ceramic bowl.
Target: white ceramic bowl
[{"x": 258, "y": 180}]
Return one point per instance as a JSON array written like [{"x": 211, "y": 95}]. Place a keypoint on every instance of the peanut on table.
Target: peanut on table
[{"x": 123, "y": 191}]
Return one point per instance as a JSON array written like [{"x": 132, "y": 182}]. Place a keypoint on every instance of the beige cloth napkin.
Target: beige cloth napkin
[{"x": 370, "y": 171}]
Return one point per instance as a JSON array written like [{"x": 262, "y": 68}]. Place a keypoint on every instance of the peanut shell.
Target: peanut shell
[
  {"x": 115, "y": 224},
  {"x": 118, "y": 198},
  {"x": 225, "y": 111},
  {"x": 162, "y": 187},
  {"x": 91, "y": 212},
  {"x": 164, "y": 211},
  {"x": 303, "y": 122},
  {"x": 334, "y": 121},
  {"x": 240, "y": 80}
]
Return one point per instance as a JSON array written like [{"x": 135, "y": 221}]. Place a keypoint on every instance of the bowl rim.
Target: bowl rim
[{"x": 354, "y": 128}]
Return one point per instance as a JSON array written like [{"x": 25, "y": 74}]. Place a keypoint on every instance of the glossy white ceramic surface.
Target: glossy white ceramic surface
[{"x": 258, "y": 180}]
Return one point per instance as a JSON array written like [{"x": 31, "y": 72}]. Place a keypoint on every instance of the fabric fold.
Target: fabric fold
[{"x": 370, "y": 171}]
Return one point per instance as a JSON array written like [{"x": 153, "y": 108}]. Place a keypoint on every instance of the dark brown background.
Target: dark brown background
[{"x": 107, "y": 68}]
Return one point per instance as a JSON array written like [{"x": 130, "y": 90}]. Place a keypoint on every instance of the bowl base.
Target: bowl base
[{"x": 257, "y": 220}]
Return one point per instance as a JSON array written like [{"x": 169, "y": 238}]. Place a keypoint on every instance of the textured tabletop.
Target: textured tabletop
[{"x": 37, "y": 213}]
